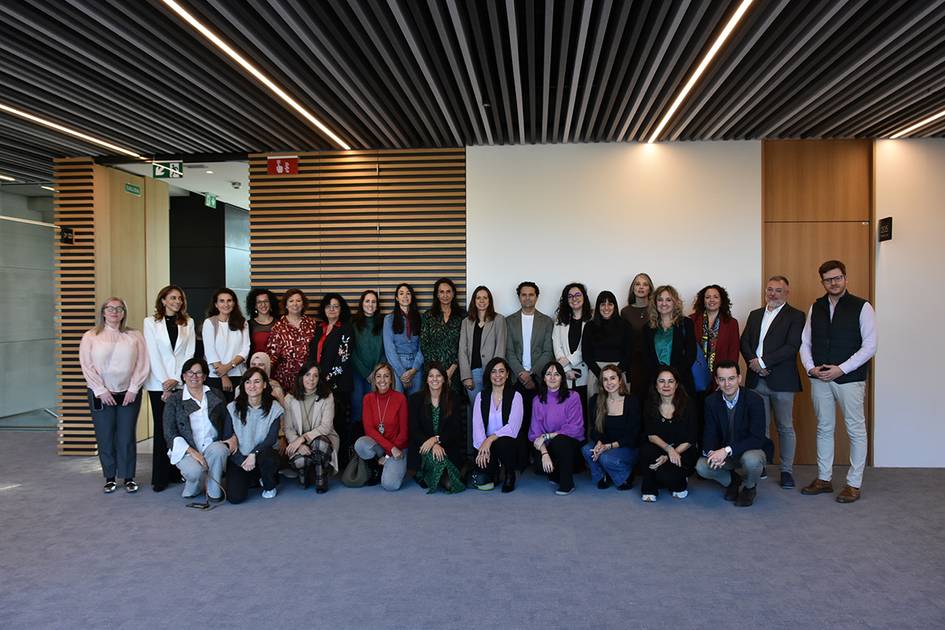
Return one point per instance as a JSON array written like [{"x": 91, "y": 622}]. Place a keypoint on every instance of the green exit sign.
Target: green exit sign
[
  {"x": 167, "y": 170},
  {"x": 133, "y": 189},
  {"x": 210, "y": 200}
]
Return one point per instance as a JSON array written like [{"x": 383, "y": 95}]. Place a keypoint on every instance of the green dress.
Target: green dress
[
  {"x": 439, "y": 341},
  {"x": 431, "y": 471}
]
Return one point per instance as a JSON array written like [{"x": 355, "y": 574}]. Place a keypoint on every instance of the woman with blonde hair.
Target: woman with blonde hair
[
  {"x": 670, "y": 338},
  {"x": 114, "y": 361}
]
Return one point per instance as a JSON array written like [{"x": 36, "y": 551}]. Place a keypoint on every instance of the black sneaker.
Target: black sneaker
[
  {"x": 787, "y": 480},
  {"x": 746, "y": 497},
  {"x": 604, "y": 483}
]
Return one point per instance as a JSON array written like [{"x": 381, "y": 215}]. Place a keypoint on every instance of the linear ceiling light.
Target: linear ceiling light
[
  {"x": 253, "y": 70},
  {"x": 7, "y": 178},
  {"x": 49, "y": 188},
  {"x": 733, "y": 21},
  {"x": 68, "y": 130},
  {"x": 921, "y": 123}
]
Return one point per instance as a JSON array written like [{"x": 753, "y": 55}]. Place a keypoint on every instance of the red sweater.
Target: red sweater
[{"x": 393, "y": 406}]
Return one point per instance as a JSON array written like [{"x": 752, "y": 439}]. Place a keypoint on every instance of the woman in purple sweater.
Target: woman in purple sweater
[{"x": 557, "y": 427}]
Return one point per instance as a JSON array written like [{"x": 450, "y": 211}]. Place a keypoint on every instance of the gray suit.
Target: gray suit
[{"x": 542, "y": 350}]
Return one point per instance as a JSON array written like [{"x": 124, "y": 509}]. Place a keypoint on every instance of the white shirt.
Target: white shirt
[
  {"x": 858, "y": 358},
  {"x": 221, "y": 345},
  {"x": 766, "y": 320},
  {"x": 204, "y": 432},
  {"x": 527, "y": 322}
]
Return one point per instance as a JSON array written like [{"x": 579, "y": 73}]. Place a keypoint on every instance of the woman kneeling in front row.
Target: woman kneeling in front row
[
  {"x": 384, "y": 443},
  {"x": 669, "y": 455},
  {"x": 308, "y": 424},
  {"x": 437, "y": 432},
  {"x": 557, "y": 428},
  {"x": 612, "y": 450},
  {"x": 194, "y": 418},
  {"x": 497, "y": 420},
  {"x": 252, "y": 428}
]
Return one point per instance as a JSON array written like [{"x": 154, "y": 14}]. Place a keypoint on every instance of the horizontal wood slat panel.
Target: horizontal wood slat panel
[
  {"x": 352, "y": 220},
  {"x": 74, "y": 205}
]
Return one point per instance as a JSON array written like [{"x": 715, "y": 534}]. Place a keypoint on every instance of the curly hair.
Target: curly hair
[
  {"x": 725, "y": 307},
  {"x": 677, "y": 305}
]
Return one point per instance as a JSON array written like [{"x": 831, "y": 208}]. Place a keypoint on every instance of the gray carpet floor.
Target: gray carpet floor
[{"x": 72, "y": 557}]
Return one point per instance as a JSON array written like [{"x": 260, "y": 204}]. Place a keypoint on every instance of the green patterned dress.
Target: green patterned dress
[
  {"x": 439, "y": 341},
  {"x": 431, "y": 471}
]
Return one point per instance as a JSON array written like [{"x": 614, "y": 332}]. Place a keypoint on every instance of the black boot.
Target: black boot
[
  {"x": 375, "y": 477},
  {"x": 509, "y": 484}
]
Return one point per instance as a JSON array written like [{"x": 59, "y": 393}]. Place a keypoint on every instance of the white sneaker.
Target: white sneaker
[
  {"x": 649, "y": 498},
  {"x": 681, "y": 495},
  {"x": 269, "y": 494}
]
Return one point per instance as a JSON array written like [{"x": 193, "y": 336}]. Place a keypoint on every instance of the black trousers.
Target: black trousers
[
  {"x": 565, "y": 451},
  {"x": 524, "y": 445},
  {"x": 504, "y": 450},
  {"x": 217, "y": 383},
  {"x": 668, "y": 476},
  {"x": 162, "y": 472},
  {"x": 239, "y": 481}
]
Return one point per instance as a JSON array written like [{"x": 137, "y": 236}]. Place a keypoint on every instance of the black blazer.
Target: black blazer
[
  {"x": 336, "y": 366},
  {"x": 781, "y": 346},
  {"x": 749, "y": 425},
  {"x": 177, "y": 416},
  {"x": 682, "y": 357},
  {"x": 452, "y": 430}
]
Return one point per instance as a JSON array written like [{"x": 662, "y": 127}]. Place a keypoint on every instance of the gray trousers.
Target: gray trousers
[
  {"x": 749, "y": 467},
  {"x": 782, "y": 403},
  {"x": 392, "y": 477},
  {"x": 195, "y": 475},
  {"x": 115, "y": 434}
]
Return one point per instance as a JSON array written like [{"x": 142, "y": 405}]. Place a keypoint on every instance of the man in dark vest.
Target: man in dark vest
[{"x": 837, "y": 344}]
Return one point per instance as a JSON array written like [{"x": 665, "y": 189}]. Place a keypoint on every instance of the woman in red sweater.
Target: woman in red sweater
[
  {"x": 716, "y": 329},
  {"x": 384, "y": 444}
]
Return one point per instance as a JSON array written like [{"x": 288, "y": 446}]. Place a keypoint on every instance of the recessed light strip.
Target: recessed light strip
[
  {"x": 253, "y": 70},
  {"x": 732, "y": 23},
  {"x": 7, "y": 178},
  {"x": 922, "y": 123},
  {"x": 68, "y": 130}
]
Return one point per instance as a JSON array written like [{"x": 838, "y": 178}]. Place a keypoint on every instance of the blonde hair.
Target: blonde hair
[
  {"x": 100, "y": 322},
  {"x": 602, "y": 394},
  {"x": 677, "y": 305}
]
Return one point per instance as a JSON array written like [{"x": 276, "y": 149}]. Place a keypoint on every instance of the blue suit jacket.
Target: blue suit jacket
[{"x": 749, "y": 429}]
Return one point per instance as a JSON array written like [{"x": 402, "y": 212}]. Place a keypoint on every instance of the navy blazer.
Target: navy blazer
[
  {"x": 749, "y": 431},
  {"x": 779, "y": 351}
]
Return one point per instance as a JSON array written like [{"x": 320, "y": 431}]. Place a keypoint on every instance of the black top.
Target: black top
[
  {"x": 335, "y": 365},
  {"x": 834, "y": 340},
  {"x": 624, "y": 429},
  {"x": 452, "y": 430},
  {"x": 171, "y": 323},
  {"x": 575, "y": 329},
  {"x": 476, "y": 362},
  {"x": 682, "y": 427},
  {"x": 607, "y": 340}
]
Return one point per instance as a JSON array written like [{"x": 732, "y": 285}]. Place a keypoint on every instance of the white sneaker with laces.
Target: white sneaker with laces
[
  {"x": 269, "y": 494},
  {"x": 681, "y": 495},
  {"x": 649, "y": 498}
]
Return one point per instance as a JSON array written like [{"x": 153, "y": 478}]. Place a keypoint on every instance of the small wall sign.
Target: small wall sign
[{"x": 885, "y": 229}]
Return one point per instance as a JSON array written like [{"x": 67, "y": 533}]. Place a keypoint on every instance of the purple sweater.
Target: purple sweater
[{"x": 554, "y": 417}]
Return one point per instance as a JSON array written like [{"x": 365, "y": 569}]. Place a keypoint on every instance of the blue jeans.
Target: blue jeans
[
  {"x": 361, "y": 387},
  {"x": 618, "y": 463},
  {"x": 415, "y": 382}
]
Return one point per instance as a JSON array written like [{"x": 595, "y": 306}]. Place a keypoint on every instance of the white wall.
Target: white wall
[
  {"x": 909, "y": 424},
  {"x": 689, "y": 214}
]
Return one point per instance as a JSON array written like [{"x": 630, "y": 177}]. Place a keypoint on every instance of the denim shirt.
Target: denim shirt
[{"x": 399, "y": 344}]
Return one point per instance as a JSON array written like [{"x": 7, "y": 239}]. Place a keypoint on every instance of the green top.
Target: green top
[
  {"x": 439, "y": 340},
  {"x": 368, "y": 348},
  {"x": 663, "y": 342}
]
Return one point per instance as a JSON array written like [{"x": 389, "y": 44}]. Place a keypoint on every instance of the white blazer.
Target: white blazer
[
  {"x": 167, "y": 362},
  {"x": 220, "y": 345},
  {"x": 573, "y": 360}
]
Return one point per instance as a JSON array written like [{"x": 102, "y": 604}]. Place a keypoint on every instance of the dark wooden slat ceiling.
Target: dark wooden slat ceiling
[{"x": 438, "y": 73}]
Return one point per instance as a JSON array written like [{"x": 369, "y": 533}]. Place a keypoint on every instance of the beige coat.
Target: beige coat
[
  {"x": 320, "y": 422},
  {"x": 492, "y": 343}
]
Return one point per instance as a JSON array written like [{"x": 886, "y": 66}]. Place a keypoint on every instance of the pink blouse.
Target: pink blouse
[{"x": 113, "y": 361}]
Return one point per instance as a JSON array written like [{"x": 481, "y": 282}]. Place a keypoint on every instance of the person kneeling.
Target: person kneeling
[
  {"x": 734, "y": 444},
  {"x": 252, "y": 428},
  {"x": 384, "y": 443},
  {"x": 557, "y": 428},
  {"x": 308, "y": 424}
]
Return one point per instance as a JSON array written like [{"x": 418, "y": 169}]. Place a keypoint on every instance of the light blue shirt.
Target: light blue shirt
[{"x": 399, "y": 344}]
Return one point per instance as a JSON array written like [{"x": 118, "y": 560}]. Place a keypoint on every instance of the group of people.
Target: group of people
[{"x": 467, "y": 397}]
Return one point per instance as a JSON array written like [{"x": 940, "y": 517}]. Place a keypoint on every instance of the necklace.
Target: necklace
[{"x": 381, "y": 416}]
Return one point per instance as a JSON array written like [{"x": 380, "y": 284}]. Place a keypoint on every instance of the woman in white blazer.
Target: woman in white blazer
[
  {"x": 225, "y": 335},
  {"x": 170, "y": 338},
  {"x": 574, "y": 311}
]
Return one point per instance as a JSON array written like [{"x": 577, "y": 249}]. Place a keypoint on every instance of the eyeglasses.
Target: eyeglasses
[
  {"x": 574, "y": 296},
  {"x": 114, "y": 309},
  {"x": 834, "y": 279},
  {"x": 193, "y": 374},
  {"x": 332, "y": 307}
]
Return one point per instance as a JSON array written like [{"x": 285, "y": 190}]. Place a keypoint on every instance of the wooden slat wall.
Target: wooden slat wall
[
  {"x": 353, "y": 220},
  {"x": 74, "y": 201}
]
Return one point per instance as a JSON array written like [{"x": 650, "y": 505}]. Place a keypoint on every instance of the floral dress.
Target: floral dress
[
  {"x": 288, "y": 346},
  {"x": 439, "y": 341}
]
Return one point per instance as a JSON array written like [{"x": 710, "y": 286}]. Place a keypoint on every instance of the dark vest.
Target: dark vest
[
  {"x": 485, "y": 402},
  {"x": 834, "y": 341}
]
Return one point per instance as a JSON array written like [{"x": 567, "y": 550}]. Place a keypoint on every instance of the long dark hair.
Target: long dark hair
[
  {"x": 359, "y": 320},
  {"x": 456, "y": 310},
  {"x": 563, "y": 390},
  {"x": 413, "y": 313},
  {"x": 242, "y": 400},
  {"x": 446, "y": 399},
  {"x": 345, "y": 311},
  {"x": 159, "y": 310},
  {"x": 274, "y": 309},
  {"x": 725, "y": 304},
  {"x": 680, "y": 398},
  {"x": 236, "y": 320},
  {"x": 473, "y": 312},
  {"x": 487, "y": 372},
  {"x": 321, "y": 388},
  {"x": 564, "y": 307}
]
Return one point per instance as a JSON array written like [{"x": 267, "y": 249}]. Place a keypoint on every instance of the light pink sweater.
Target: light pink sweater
[{"x": 113, "y": 361}]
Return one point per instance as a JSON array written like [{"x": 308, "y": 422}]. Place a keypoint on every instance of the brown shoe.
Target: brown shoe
[
  {"x": 849, "y": 494},
  {"x": 817, "y": 486}
]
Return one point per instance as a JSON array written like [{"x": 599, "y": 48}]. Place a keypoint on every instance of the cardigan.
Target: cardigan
[
  {"x": 177, "y": 416},
  {"x": 491, "y": 343},
  {"x": 296, "y": 423},
  {"x": 167, "y": 362}
]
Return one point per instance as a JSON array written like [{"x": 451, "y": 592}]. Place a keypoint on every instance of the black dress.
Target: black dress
[{"x": 681, "y": 428}]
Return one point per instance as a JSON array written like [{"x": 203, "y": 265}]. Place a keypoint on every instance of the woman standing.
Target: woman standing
[
  {"x": 402, "y": 340},
  {"x": 114, "y": 361},
  {"x": 611, "y": 453},
  {"x": 263, "y": 308},
  {"x": 251, "y": 430},
  {"x": 497, "y": 420},
  {"x": 331, "y": 351},
  {"x": 368, "y": 326},
  {"x": 636, "y": 313},
  {"x": 715, "y": 329},
  {"x": 384, "y": 444},
  {"x": 437, "y": 433},
  {"x": 439, "y": 331},
  {"x": 557, "y": 428},
  {"x": 481, "y": 339},
  {"x": 225, "y": 342},
  {"x": 607, "y": 339},
  {"x": 291, "y": 335},
  {"x": 308, "y": 423},
  {"x": 574, "y": 311},
  {"x": 170, "y": 338},
  {"x": 670, "y": 338},
  {"x": 668, "y": 456}
]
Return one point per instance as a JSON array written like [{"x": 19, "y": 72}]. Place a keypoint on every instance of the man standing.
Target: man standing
[
  {"x": 528, "y": 349},
  {"x": 734, "y": 445},
  {"x": 770, "y": 343},
  {"x": 838, "y": 341}
]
